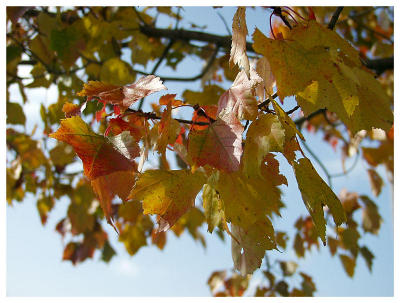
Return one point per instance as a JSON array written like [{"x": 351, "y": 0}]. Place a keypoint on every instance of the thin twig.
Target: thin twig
[
  {"x": 293, "y": 110},
  {"x": 328, "y": 175},
  {"x": 335, "y": 17},
  {"x": 139, "y": 16},
  {"x": 348, "y": 170},
  {"x": 225, "y": 23}
]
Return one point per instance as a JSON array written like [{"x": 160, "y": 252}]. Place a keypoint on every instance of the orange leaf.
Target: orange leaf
[
  {"x": 108, "y": 163},
  {"x": 71, "y": 109},
  {"x": 206, "y": 114},
  {"x": 164, "y": 100}
]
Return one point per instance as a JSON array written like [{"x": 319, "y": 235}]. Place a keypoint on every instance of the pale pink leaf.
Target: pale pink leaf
[
  {"x": 239, "y": 100},
  {"x": 239, "y": 33},
  {"x": 142, "y": 88},
  {"x": 263, "y": 68}
]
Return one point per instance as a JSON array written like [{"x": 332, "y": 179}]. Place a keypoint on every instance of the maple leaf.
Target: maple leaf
[
  {"x": 315, "y": 34},
  {"x": 213, "y": 207},
  {"x": 239, "y": 33},
  {"x": 71, "y": 109},
  {"x": 316, "y": 193},
  {"x": 265, "y": 135},
  {"x": 166, "y": 99},
  {"x": 124, "y": 96},
  {"x": 108, "y": 164},
  {"x": 169, "y": 194},
  {"x": 205, "y": 114},
  {"x": 247, "y": 199},
  {"x": 209, "y": 96},
  {"x": 220, "y": 145},
  {"x": 239, "y": 99},
  {"x": 292, "y": 66},
  {"x": 371, "y": 219},
  {"x": 168, "y": 130},
  {"x": 348, "y": 263},
  {"x": 375, "y": 181},
  {"x": 324, "y": 71},
  {"x": 249, "y": 245},
  {"x": 263, "y": 69}
]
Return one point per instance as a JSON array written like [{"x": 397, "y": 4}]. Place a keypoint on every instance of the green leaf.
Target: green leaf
[
  {"x": 316, "y": 193},
  {"x": 368, "y": 256},
  {"x": 108, "y": 252},
  {"x": 15, "y": 113}
]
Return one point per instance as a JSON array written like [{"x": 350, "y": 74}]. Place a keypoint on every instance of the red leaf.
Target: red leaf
[{"x": 220, "y": 145}]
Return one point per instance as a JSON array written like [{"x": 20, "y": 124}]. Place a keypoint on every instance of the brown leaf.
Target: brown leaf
[{"x": 376, "y": 182}]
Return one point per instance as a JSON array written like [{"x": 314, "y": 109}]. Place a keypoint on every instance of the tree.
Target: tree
[{"x": 227, "y": 150}]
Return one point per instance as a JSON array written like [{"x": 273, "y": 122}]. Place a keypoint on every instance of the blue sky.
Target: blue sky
[{"x": 34, "y": 266}]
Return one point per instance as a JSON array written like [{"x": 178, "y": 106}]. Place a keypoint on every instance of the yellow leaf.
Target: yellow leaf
[
  {"x": 117, "y": 72},
  {"x": 209, "y": 96},
  {"x": 316, "y": 193},
  {"x": 349, "y": 264},
  {"x": 324, "y": 71},
  {"x": 293, "y": 66},
  {"x": 265, "y": 135},
  {"x": 315, "y": 34},
  {"x": 169, "y": 194},
  {"x": 247, "y": 255},
  {"x": 213, "y": 207},
  {"x": 247, "y": 199}
]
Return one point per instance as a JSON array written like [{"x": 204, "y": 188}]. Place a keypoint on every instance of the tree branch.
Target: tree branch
[
  {"x": 380, "y": 65},
  {"x": 151, "y": 115},
  {"x": 335, "y": 17},
  {"x": 299, "y": 122},
  {"x": 189, "y": 35}
]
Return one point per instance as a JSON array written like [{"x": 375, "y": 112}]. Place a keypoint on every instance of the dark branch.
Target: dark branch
[
  {"x": 266, "y": 102},
  {"x": 188, "y": 35},
  {"x": 299, "y": 122},
  {"x": 151, "y": 115},
  {"x": 380, "y": 65},
  {"x": 335, "y": 18}
]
